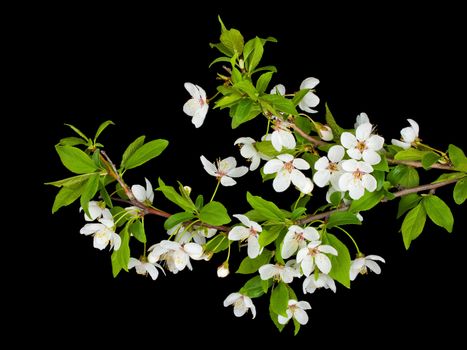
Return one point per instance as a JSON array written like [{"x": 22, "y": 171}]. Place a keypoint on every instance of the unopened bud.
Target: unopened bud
[
  {"x": 187, "y": 189},
  {"x": 223, "y": 270},
  {"x": 325, "y": 133}
]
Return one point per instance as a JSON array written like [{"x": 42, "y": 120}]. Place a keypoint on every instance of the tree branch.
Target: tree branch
[
  {"x": 308, "y": 137},
  {"x": 420, "y": 165}
]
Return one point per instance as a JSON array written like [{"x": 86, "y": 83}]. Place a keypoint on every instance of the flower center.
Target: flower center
[
  {"x": 332, "y": 167},
  {"x": 358, "y": 174},
  {"x": 313, "y": 251},
  {"x": 361, "y": 146},
  {"x": 253, "y": 232},
  {"x": 289, "y": 166}
]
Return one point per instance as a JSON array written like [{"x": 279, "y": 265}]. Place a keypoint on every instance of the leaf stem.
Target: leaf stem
[
  {"x": 215, "y": 190},
  {"x": 350, "y": 236}
]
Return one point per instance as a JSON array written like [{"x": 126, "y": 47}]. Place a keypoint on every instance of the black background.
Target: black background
[{"x": 85, "y": 65}]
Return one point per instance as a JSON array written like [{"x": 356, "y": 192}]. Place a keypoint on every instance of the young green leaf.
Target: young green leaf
[
  {"x": 103, "y": 193},
  {"x": 280, "y": 299},
  {"x": 248, "y": 88},
  {"x": 340, "y": 263},
  {"x": 253, "y": 288},
  {"x": 404, "y": 175},
  {"x": 411, "y": 154},
  {"x": 458, "y": 158},
  {"x": 101, "y": 128},
  {"x": 214, "y": 213},
  {"x": 407, "y": 202},
  {"x": 75, "y": 160},
  {"x": 121, "y": 257},
  {"x": 413, "y": 224},
  {"x": 438, "y": 211},
  {"x": 429, "y": 158},
  {"x": 368, "y": 201},
  {"x": 297, "y": 213},
  {"x": 137, "y": 229},
  {"x": 132, "y": 147},
  {"x": 275, "y": 319},
  {"x": 270, "y": 235},
  {"x": 336, "y": 129},
  {"x": 342, "y": 218},
  {"x": 233, "y": 41},
  {"x": 89, "y": 192},
  {"x": 145, "y": 153},
  {"x": 281, "y": 103},
  {"x": 70, "y": 181},
  {"x": 177, "y": 219},
  {"x": 68, "y": 195},
  {"x": 255, "y": 57},
  {"x": 460, "y": 191},
  {"x": 217, "y": 244},
  {"x": 228, "y": 100},
  {"x": 263, "y": 82},
  {"x": 249, "y": 265},
  {"x": 76, "y": 130},
  {"x": 266, "y": 208},
  {"x": 72, "y": 141},
  {"x": 172, "y": 195}
]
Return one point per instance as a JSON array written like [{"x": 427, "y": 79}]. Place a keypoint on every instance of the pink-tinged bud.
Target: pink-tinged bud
[{"x": 223, "y": 270}]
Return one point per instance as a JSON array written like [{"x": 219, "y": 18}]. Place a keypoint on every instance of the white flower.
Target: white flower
[
  {"x": 198, "y": 235},
  {"x": 325, "y": 132},
  {"x": 225, "y": 170},
  {"x": 248, "y": 232},
  {"x": 223, "y": 270},
  {"x": 296, "y": 309},
  {"x": 176, "y": 255},
  {"x": 144, "y": 195},
  {"x": 285, "y": 273},
  {"x": 241, "y": 304},
  {"x": 295, "y": 239},
  {"x": 95, "y": 209},
  {"x": 314, "y": 254},
  {"x": 196, "y": 107},
  {"x": 310, "y": 99},
  {"x": 144, "y": 268},
  {"x": 328, "y": 169},
  {"x": 282, "y": 136},
  {"x": 357, "y": 178},
  {"x": 307, "y": 187},
  {"x": 363, "y": 144},
  {"x": 287, "y": 169},
  {"x": 408, "y": 135},
  {"x": 362, "y": 118},
  {"x": 279, "y": 89},
  {"x": 249, "y": 151},
  {"x": 103, "y": 232},
  {"x": 313, "y": 282},
  {"x": 361, "y": 264}
]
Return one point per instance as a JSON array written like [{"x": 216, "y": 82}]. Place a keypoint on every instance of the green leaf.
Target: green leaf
[
  {"x": 102, "y": 128},
  {"x": 280, "y": 299},
  {"x": 275, "y": 320},
  {"x": 298, "y": 96},
  {"x": 177, "y": 219},
  {"x": 449, "y": 176},
  {"x": 249, "y": 265},
  {"x": 132, "y": 147},
  {"x": 221, "y": 47},
  {"x": 281, "y": 103},
  {"x": 255, "y": 215},
  {"x": 121, "y": 257},
  {"x": 438, "y": 211},
  {"x": 76, "y": 130},
  {"x": 263, "y": 82},
  {"x": 255, "y": 57},
  {"x": 199, "y": 203},
  {"x": 70, "y": 181},
  {"x": 411, "y": 154},
  {"x": 266, "y": 148},
  {"x": 429, "y": 158},
  {"x": 379, "y": 176},
  {"x": 89, "y": 192},
  {"x": 458, "y": 158},
  {"x": 214, "y": 213},
  {"x": 368, "y": 201},
  {"x": 382, "y": 165},
  {"x": 265, "y": 208},
  {"x": 172, "y": 195},
  {"x": 68, "y": 195},
  {"x": 413, "y": 224},
  {"x": 460, "y": 191},
  {"x": 265, "y": 68},
  {"x": 297, "y": 213},
  {"x": 72, "y": 141},
  {"x": 247, "y": 87},
  {"x": 336, "y": 129},
  {"x": 408, "y": 202},
  {"x": 75, "y": 160},
  {"x": 270, "y": 235},
  {"x": 228, "y": 100},
  {"x": 219, "y": 59},
  {"x": 404, "y": 175},
  {"x": 340, "y": 263},
  {"x": 217, "y": 244},
  {"x": 103, "y": 190},
  {"x": 253, "y": 288},
  {"x": 242, "y": 112},
  {"x": 137, "y": 229},
  {"x": 342, "y": 218},
  {"x": 145, "y": 153},
  {"x": 336, "y": 198}
]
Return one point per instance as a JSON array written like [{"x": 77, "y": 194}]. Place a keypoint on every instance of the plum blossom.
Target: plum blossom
[
  {"x": 315, "y": 254},
  {"x": 357, "y": 178},
  {"x": 103, "y": 232},
  {"x": 241, "y": 304},
  {"x": 196, "y": 107},
  {"x": 285, "y": 272},
  {"x": 144, "y": 268},
  {"x": 313, "y": 282},
  {"x": 176, "y": 255},
  {"x": 95, "y": 209},
  {"x": 287, "y": 169},
  {"x": 409, "y": 135},
  {"x": 328, "y": 169},
  {"x": 198, "y": 235},
  {"x": 282, "y": 136},
  {"x": 296, "y": 309},
  {"x": 144, "y": 195},
  {"x": 225, "y": 170},
  {"x": 249, "y": 151},
  {"x": 248, "y": 232},
  {"x": 310, "y": 99},
  {"x": 296, "y": 238},
  {"x": 363, "y": 144},
  {"x": 360, "y": 265}
]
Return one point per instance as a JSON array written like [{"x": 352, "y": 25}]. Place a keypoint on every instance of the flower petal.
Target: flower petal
[
  {"x": 404, "y": 145},
  {"x": 152, "y": 271},
  {"x": 307, "y": 264},
  {"x": 375, "y": 142},
  {"x": 301, "y": 164},
  {"x": 325, "y": 248},
  {"x": 336, "y": 153},
  {"x": 253, "y": 247},
  {"x": 311, "y": 234},
  {"x": 363, "y": 131},
  {"x": 89, "y": 229},
  {"x": 227, "y": 181},
  {"x": 289, "y": 247},
  {"x": 139, "y": 192},
  {"x": 194, "y": 250},
  {"x": 309, "y": 83},
  {"x": 323, "y": 263},
  {"x": 192, "y": 90},
  {"x": 414, "y": 126},
  {"x": 191, "y": 106},
  {"x": 279, "y": 89},
  {"x": 287, "y": 139},
  {"x": 244, "y": 141},
  {"x": 348, "y": 140},
  {"x": 375, "y": 257},
  {"x": 232, "y": 298},
  {"x": 239, "y": 233},
  {"x": 371, "y": 157},
  {"x": 149, "y": 191},
  {"x": 249, "y": 304},
  {"x": 361, "y": 119},
  {"x": 281, "y": 182},
  {"x": 133, "y": 262},
  {"x": 276, "y": 141},
  {"x": 267, "y": 271},
  {"x": 369, "y": 182},
  {"x": 301, "y": 316},
  {"x": 273, "y": 166},
  {"x": 240, "y": 309},
  {"x": 243, "y": 219},
  {"x": 408, "y": 134},
  {"x": 200, "y": 115},
  {"x": 356, "y": 190},
  {"x": 238, "y": 172},
  {"x": 208, "y": 166},
  {"x": 321, "y": 178},
  {"x": 285, "y": 157},
  {"x": 373, "y": 266}
]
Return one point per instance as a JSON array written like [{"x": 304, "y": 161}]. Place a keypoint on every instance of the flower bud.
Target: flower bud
[
  {"x": 207, "y": 256},
  {"x": 187, "y": 189},
  {"x": 223, "y": 270},
  {"x": 325, "y": 133}
]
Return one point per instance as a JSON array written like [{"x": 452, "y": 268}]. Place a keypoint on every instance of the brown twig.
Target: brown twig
[
  {"x": 416, "y": 164},
  {"x": 308, "y": 137}
]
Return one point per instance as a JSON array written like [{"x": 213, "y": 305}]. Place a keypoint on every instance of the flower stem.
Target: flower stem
[
  {"x": 350, "y": 236},
  {"x": 215, "y": 190}
]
